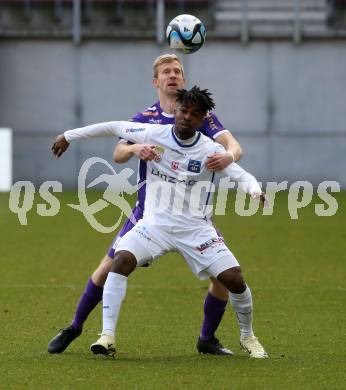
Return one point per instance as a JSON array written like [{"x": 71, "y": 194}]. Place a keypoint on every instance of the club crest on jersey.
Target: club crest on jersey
[
  {"x": 174, "y": 165},
  {"x": 159, "y": 150},
  {"x": 194, "y": 166}
]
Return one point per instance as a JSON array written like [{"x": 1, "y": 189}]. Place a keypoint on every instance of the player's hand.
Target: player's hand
[
  {"x": 145, "y": 152},
  {"x": 60, "y": 145},
  {"x": 218, "y": 161},
  {"x": 262, "y": 197}
]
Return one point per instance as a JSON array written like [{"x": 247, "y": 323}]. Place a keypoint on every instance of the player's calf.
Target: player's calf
[
  {"x": 99, "y": 276},
  {"x": 218, "y": 290}
]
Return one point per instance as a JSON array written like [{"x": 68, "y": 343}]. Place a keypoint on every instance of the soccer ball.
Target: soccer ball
[{"x": 185, "y": 33}]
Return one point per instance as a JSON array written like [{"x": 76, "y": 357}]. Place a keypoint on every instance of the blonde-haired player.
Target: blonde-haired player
[{"x": 168, "y": 77}]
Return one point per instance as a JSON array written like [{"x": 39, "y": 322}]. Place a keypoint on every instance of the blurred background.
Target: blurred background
[{"x": 277, "y": 69}]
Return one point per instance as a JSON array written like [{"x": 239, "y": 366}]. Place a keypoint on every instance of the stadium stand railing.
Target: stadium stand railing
[
  {"x": 289, "y": 19},
  {"x": 146, "y": 19},
  {"x": 137, "y": 19},
  {"x": 336, "y": 13}
]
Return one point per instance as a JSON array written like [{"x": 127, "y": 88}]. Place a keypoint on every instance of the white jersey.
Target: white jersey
[{"x": 179, "y": 188}]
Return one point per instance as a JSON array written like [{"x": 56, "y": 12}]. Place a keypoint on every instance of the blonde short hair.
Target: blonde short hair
[{"x": 165, "y": 59}]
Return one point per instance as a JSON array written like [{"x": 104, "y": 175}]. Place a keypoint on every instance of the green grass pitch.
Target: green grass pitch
[{"x": 295, "y": 268}]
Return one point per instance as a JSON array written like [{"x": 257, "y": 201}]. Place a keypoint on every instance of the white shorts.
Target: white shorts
[{"x": 203, "y": 250}]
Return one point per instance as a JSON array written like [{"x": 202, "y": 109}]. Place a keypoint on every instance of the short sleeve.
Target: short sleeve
[
  {"x": 139, "y": 117},
  {"x": 211, "y": 126}
]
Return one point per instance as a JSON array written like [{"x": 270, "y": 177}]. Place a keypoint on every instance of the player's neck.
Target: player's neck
[
  {"x": 167, "y": 103},
  {"x": 183, "y": 137}
]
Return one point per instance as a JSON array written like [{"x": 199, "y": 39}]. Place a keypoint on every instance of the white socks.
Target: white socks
[
  {"x": 114, "y": 292},
  {"x": 242, "y": 305}
]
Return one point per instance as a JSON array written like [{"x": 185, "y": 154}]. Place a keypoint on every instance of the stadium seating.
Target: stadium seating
[
  {"x": 98, "y": 18},
  {"x": 272, "y": 18},
  {"x": 244, "y": 19},
  {"x": 336, "y": 13}
]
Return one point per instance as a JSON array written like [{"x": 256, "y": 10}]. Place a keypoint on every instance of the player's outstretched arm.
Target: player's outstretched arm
[
  {"x": 247, "y": 181},
  {"x": 124, "y": 151},
  {"x": 234, "y": 152},
  {"x": 133, "y": 132},
  {"x": 59, "y": 146}
]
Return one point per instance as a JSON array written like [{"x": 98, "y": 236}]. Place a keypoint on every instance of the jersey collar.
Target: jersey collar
[
  {"x": 162, "y": 112},
  {"x": 176, "y": 139}
]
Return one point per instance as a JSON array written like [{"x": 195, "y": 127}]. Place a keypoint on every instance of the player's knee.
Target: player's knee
[
  {"x": 233, "y": 280},
  {"x": 124, "y": 263}
]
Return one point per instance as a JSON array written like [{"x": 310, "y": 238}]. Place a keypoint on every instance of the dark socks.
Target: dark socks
[
  {"x": 214, "y": 309},
  {"x": 91, "y": 296}
]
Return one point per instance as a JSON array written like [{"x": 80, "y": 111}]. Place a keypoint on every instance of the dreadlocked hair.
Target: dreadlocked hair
[{"x": 200, "y": 98}]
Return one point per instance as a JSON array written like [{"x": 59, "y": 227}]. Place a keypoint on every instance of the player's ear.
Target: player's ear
[{"x": 155, "y": 82}]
